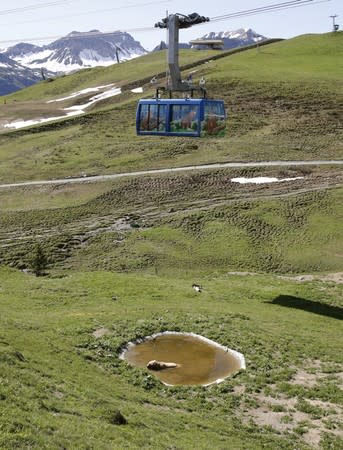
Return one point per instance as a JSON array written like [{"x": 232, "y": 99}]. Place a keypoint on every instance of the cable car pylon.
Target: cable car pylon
[{"x": 174, "y": 22}]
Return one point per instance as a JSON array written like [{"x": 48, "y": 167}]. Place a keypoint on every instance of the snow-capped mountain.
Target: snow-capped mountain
[
  {"x": 237, "y": 38},
  {"x": 14, "y": 76},
  {"x": 232, "y": 39},
  {"x": 78, "y": 51}
]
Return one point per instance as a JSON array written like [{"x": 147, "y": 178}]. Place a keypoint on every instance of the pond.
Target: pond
[{"x": 184, "y": 358}]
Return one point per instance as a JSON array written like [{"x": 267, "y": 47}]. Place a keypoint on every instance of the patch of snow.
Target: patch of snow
[
  {"x": 28, "y": 123},
  {"x": 55, "y": 66},
  {"x": 71, "y": 111},
  {"x": 83, "y": 91},
  {"x": 29, "y": 58},
  {"x": 260, "y": 180},
  {"x": 4, "y": 65},
  {"x": 138, "y": 90},
  {"x": 110, "y": 93},
  {"x": 90, "y": 55},
  {"x": 45, "y": 59},
  {"x": 89, "y": 58}
]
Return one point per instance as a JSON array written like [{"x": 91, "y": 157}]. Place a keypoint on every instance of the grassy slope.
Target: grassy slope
[
  {"x": 153, "y": 225},
  {"x": 60, "y": 386},
  {"x": 313, "y": 58},
  {"x": 293, "y": 113},
  {"x": 121, "y": 74}
]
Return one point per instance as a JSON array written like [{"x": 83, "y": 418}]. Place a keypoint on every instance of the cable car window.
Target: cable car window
[
  {"x": 214, "y": 109},
  {"x": 162, "y": 110},
  {"x": 144, "y": 118},
  {"x": 214, "y": 119},
  {"x": 152, "y": 118},
  {"x": 184, "y": 118},
  {"x": 148, "y": 118}
]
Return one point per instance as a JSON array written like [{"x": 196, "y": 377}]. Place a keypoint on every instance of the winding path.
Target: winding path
[{"x": 96, "y": 178}]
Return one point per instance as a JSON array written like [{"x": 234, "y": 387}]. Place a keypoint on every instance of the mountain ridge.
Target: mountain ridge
[
  {"x": 78, "y": 50},
  {"x": 231, "y": 39}
]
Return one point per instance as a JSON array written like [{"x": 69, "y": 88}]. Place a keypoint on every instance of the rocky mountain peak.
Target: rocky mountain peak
[{"x": 78, "y": 50}]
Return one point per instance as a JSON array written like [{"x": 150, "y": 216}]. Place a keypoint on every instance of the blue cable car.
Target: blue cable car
[{"x": 193, "y": 117}]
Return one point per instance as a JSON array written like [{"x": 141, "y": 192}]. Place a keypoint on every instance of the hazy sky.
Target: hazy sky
[{"x": 29, "y": 20}]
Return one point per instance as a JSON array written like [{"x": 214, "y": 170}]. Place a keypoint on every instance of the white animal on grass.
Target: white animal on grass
[{"x": 196, "y": 287}]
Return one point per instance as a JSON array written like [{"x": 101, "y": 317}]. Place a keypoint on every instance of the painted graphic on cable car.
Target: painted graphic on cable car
[{"x": 195, "y": 117}]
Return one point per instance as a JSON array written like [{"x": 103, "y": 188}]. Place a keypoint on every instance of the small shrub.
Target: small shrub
[
  {"x": 39, "y": 261},
  {"x": 278, "y": 408}
]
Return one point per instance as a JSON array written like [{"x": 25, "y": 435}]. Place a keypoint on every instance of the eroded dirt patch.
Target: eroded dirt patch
[
  {"x": 331, "y": 277},
  {"x": 309, "y": 418},
  {"x": 282, "y": 415}
]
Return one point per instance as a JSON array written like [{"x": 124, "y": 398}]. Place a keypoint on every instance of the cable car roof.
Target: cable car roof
[{"x": 177, "y": 101}]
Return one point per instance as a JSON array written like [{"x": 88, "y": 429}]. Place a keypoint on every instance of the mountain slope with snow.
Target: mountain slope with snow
[
  {"x": 77, "y": 51},
  {"x": 232, "y": 39},
  {"x": 14, "y": 76},
  {"x": 236, "y": 38}
]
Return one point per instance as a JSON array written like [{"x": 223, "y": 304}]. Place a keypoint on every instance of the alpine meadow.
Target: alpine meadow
[{"x": 104, "y": 234}]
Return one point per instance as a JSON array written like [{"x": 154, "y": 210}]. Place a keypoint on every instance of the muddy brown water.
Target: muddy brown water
[{"x": 200, "y": 361}]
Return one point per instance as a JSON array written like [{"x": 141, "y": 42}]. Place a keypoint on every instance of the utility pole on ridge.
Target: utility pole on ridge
[{"x": 335, "y": 26}]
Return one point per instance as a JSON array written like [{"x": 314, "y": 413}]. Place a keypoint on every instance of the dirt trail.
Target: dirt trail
[{"x": 213, "y": 166}]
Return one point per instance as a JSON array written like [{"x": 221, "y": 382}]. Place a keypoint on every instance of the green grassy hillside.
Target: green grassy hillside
[
  {"x": 122, "y": 256},
  {"x": 310, "y": 58},
  {"x": 61, "y": 386},
  {"x": 273, "y": 112},
  {"x": 196, "y": 223}
]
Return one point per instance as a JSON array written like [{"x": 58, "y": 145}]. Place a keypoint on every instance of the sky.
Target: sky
[{"x": 32, "y": 20}]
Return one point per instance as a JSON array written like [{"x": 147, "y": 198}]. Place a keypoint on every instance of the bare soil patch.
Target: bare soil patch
[
  {"x": 281, "y": 415},
  {"x": 331, "y": 277},
  {"x": 287, "y": 414}
]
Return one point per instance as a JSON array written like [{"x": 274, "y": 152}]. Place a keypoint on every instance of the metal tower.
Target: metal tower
[{"x": 175, "y": 22}]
